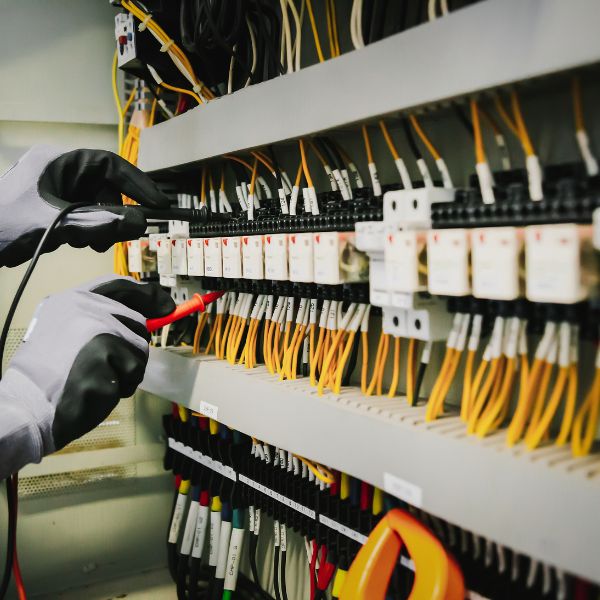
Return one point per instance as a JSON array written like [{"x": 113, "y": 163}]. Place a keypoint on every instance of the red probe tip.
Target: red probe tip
[{"x": 197, "y": 303}]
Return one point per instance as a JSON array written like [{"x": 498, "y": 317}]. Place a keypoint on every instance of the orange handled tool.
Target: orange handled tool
[
  {"x": 437, "y": 576},
  {"x": 197, "y": 303}
]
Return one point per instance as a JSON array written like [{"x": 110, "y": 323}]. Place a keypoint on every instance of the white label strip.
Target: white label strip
[
  {"x": 203, "y": 459},
  {"x": 409, "y": 492},
  {"x": 350, "y": 533},
  {"x": 280, "y": 498}
]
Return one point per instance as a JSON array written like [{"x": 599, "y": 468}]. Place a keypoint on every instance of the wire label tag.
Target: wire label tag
[
  {"x": 409, "y": 492},
  {"x": 209, "y": 410}
]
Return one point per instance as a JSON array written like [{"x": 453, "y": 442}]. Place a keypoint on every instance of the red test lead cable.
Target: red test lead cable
[{"x": 197, "y": 303}]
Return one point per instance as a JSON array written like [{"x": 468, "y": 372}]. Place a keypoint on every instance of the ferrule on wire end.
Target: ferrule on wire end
[{"x": 197, "y": 303}]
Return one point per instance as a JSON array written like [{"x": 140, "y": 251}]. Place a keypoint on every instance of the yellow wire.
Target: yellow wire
[
  {"x": 305, "y": 164},
  {"x": 316, "y": 356},
  {"x": 329, "y": 30},
  {"x": 426, "y": 141},
  {"x": 388, "y": 140},
  {"x": 410, "y": 371},
  {"x": 480, "y": 399},
  {"x": 367, "y": 142},
  {"x": 182, "y": 91},
  {"x": 396, "y": 368},
  {"x": 373, "y": 382},
  {"x": 152, "y": 117},
  {"x": 364, "y": 342},
  {"x": 253, "y": 178},
  {"x": 506, "y": 117},
  {"x": 521, "y": 128},
  {"x": 540, "y": 397},
  {"x": 386, "y": 346},
  {"x": 524, "y": 405},
  {"x": 120, "y": 123},
  {"x": 342, "y": 363},
  {"x": 315, "y": 33},
  {"x": 319, "y": 471},
  {"x": 334, "y": 28},
  {"x": 566, "y": 427},
  {"x": 493, "y": 417},
  {"x": 479, "y": 150},
  {"x": 465, "y": 403},
  {"x": 432, "y": 402},
  {"x": 585, "y": 424},
  {"x": 537, "y": 430}
]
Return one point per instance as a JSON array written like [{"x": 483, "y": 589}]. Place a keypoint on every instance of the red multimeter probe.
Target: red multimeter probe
[{"x": 197, "y": 303}]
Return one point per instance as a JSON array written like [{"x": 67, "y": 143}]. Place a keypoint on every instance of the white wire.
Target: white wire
[
  {"x": 285, "y": 22},
  {"x": 352, "y": 24},
  {"x": 296, "y": 64},
  {"x": 431, "y": 10},
  {"x": 230, "y": 78},
  {"x": 444, "y": 7},
  {"x": 253, "y": 41}
]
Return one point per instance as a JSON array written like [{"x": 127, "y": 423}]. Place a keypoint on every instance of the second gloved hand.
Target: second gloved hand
[
  {"x": 84, "y": 350},
  {"x": 46, "y": 180}
]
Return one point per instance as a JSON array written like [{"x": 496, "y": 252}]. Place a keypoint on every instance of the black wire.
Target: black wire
[
  {"x": 276, "y": 573},
  {"x": 282, "y": 578},
  {"x": 463, "y": 119},
  {"x": 11, "y": 489},
  {"x": 419, "y": 382},
  {"x": 253, "y": 565},
  {"x": 11, "y": 537},
  {"x": 411, "y": 140}
]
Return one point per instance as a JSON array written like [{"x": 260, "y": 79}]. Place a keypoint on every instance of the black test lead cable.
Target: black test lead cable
[{"x": 11, "y": 485}]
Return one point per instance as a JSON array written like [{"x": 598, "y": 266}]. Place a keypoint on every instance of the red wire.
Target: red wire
[
  {"x": 313, "y": 570},
  {"x": 15, "y": 565}
]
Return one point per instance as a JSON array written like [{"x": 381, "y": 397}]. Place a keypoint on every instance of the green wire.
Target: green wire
[{"x": 227, "y": 595}]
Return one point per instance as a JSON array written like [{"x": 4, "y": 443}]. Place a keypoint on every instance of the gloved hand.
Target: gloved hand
[
  {"x": 84, "y": 350},
  {"x": 45, "y": 180}
]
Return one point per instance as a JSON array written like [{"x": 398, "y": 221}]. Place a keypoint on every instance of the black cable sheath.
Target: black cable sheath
[
  {"x": 282, "y": 578},
  {"x": 276, "y": 573},
  {"x": 412, "y": 143},
  {"x": 419, "y": 382},
  {"x": 253, "y": 565},
  {"x": 10, "y": 488}
]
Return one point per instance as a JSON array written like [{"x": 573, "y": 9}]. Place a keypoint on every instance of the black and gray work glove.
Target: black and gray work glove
[
  {"x": 84, "y": 350},
  {"x": 46, "y": 179}
]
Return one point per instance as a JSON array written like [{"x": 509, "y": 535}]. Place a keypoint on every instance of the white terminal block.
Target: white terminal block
[
  {"x": 403, "y": 251},
  {"x": 213, "y": 259},
  {"x": 301, "y": 257},
  {"x": 163, "y": 256},
  {"x": 378, "y": 288},
  {"x": 495, "y": 257},
  {"x": 276, "y": 257},
  {"x": 553, "y": 264},
  {"x": 413, "y": 300},
  {"x": 370, "y": 236},
  {"x": 153, "y": 240},
  {"x": 394, "y": 322},
  {"x": 134, "y": 255},
  {"x": 179, "y": 229},
  {"x": 169, "y": 281},
  {"x": 179, "y": 256},
  {"x": 326, "y": 258},
  {"x": 429, "y": 325},
  {"x": 411, "y": 209},
  {"x": 253, "y": 259},
  {"x": 448, "y": 262},
  {"x": 337, "y": 259},
  {"x": 231, "y": 248},
  {"x": 195, "y": 257}
]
